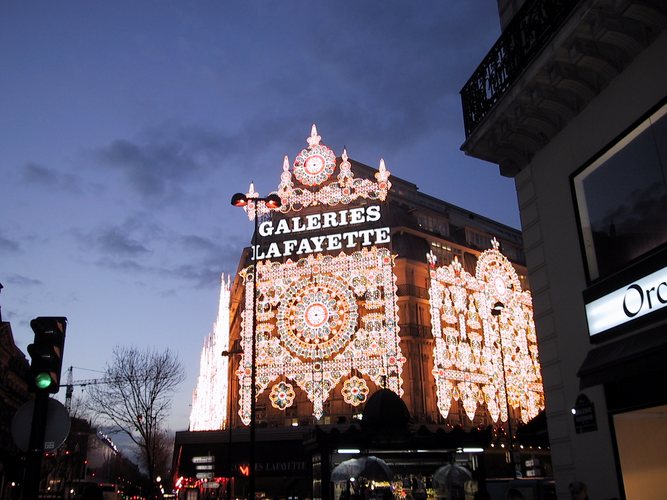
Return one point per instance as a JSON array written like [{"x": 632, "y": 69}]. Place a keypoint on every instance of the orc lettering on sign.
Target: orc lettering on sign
[
  {"x": 627, "y": 303},
  {"x": 303, "y": 245}
]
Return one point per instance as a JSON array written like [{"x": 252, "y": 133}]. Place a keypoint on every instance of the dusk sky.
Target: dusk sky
[{"x": 126, "y": 126}]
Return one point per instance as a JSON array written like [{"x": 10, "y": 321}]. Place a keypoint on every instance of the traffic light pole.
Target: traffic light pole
[
  {"x": 36, "y": 447},
  {"x": 46, "y": 353}
]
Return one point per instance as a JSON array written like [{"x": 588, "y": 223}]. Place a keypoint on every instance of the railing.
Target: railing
[{"x": 525, "y": 36}]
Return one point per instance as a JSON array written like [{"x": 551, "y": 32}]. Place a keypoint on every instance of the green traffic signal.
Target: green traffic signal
[
  {"x": 43, "y": 380},
  {"x": 46, "y": 352}
]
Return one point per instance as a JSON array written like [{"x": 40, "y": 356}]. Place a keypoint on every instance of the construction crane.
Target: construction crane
[{"x": 71, "y": 383}]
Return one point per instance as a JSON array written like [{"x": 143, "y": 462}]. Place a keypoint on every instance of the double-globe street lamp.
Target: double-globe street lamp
[{"x": 271, "y": 202}]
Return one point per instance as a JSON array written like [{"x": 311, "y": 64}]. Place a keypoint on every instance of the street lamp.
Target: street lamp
[
  {"x": 496, "y": 311},
  {"x": 272, "y": 201},
  {"x": 229, "y": 354}
]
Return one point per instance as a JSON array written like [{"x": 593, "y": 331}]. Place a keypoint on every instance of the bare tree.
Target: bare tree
[{"x": 136, "y": 398}]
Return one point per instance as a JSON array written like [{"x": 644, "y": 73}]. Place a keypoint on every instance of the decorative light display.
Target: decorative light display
[
  {"x": 282, "y": 395},
  {"x": 324, "y": 317},
  {"x": 355, "y": 391},
  {"x": 320, "y": 318},
  {"x": 315, "y": 164},
  {"x": 312, "y": 167},
  {"x": 209, "y": 399},
  {"x": 468, "y": 339}
]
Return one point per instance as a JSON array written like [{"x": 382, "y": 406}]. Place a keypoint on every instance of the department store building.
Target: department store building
[{"x": 376, "y": 335}]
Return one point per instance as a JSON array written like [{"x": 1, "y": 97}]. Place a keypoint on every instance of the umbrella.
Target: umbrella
[
  {"x": 346, "y": 470},
  {"x": 375, "y": 469},
  {"x": 451, "y": 474},
  {"x": 371, "y": 468}
]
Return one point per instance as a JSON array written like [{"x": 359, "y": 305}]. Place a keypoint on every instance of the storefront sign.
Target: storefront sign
[
  {"x": 292, "y": 466},
  {"x": 343, "y": 219},
  {"x": 627, "y": 303}
]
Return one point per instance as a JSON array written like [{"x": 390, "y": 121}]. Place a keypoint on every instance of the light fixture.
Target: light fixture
[
  {"x": 497, "y": 308},
  {"x": 271, "y": 202},
  {"x": 496, "y": 311},
  {"x": 239, "y": 200}
]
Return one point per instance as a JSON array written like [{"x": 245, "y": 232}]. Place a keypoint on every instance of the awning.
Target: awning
[{"x": 637, "y": 355}]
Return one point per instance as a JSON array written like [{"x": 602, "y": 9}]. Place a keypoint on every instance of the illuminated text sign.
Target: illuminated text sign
[
  {"x": 630, "y": 302},
  {"x": 346, "y": 220}
]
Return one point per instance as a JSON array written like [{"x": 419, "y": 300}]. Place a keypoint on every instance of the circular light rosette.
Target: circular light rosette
[
  {"x": 318, "y": 319},
  {"x": 314, "y": 165},
  {"x": 355, "y": 391},
  {"x": 282, "y": 395}
]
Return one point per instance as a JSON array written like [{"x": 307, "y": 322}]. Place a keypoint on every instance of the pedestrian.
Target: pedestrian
[{"x": 578, "y": 490}]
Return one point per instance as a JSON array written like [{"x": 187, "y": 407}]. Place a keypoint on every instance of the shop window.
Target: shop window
[
  {"x": 642, "y": 454},
  {"x": 621, "y": 198}
]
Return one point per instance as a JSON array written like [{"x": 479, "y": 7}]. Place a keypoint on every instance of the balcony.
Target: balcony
[{"x": 553, "y": 58}]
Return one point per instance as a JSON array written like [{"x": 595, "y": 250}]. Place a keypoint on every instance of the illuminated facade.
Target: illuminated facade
[
  {"x": 364, "y": 284},
  {"x": 469, "y": 340},
  {"x": 210, "y": 397}
]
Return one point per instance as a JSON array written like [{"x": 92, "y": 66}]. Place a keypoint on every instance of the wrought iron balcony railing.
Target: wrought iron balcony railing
[{"x": 525, "y": 36}]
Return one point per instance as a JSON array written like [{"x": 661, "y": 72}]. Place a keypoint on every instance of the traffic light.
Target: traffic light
[{"x": 46, "y": 353}]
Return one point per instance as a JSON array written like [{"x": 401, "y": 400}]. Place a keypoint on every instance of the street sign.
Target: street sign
[
  {"x": 57, "y": 425},
  {"x": 584, "y": 415}
]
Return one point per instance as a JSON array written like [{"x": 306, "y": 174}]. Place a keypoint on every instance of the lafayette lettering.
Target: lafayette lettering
[
  {"x": 280, "y": 466},
  {"x": 339, "y": 241}
]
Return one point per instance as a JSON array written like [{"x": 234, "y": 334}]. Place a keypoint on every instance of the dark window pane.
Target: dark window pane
[{"x": 626, "y": 200}]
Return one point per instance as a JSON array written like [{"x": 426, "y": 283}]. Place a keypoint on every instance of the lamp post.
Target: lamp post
[
  {"x": 272, "y": 201},
  {"x": 228, "y": 354},
  {"x": 496, "y": 311}
]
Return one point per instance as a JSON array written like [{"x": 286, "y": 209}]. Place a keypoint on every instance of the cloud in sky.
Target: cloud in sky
[
  {"x": 17, "y": 279},
  {"x": 8, "y": 245},
  {"x": 161, "y": 166},
  {"x": 127, "y": 126}
]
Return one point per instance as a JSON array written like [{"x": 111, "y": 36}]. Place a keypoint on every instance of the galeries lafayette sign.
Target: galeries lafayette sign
[
  {"x": 349, "y": 236},
  {"x": 628, "y": 303}
]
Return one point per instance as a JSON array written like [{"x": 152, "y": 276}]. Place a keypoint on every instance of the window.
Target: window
[
  {"x": 433, "y": 224},
  {"x": 444, "y": 253},
  {"x": 621, "y": 198},
  {"x": 478, "y": 239}
]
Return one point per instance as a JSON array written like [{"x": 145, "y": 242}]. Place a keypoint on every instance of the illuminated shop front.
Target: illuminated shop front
[{"x": 375, "y": 332}]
